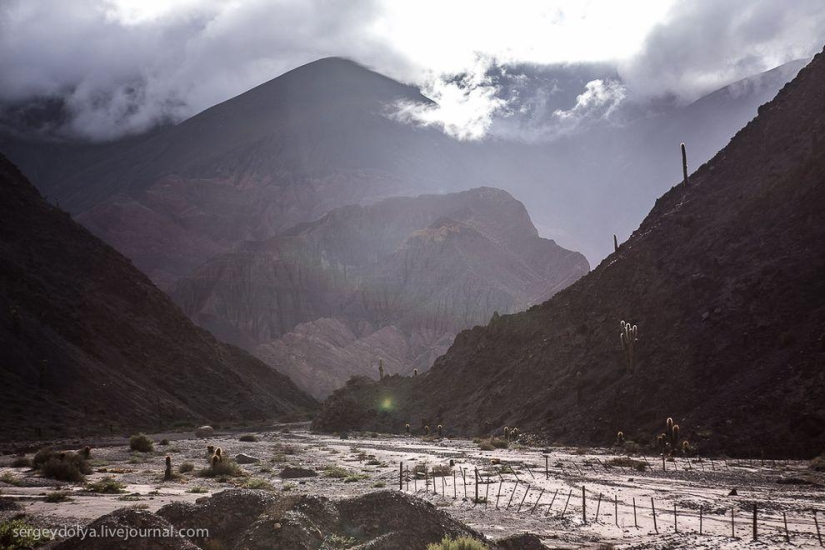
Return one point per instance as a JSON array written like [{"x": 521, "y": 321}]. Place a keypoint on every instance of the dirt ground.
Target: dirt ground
[{"x": 520, "y": 489}]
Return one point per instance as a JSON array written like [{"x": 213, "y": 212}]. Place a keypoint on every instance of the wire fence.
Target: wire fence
[{"x": 546, "y": 493}]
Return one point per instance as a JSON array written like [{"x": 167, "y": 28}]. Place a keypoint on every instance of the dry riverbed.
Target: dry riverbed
[{"x": 569, "y": 497}]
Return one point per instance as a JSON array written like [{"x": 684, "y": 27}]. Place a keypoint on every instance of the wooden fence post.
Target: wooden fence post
[
  {"x": 755, "y": 537},
  {"x": 701, "y": 509},
  {"x": 818, "y": 534},
  {"x": 785, "y": 520},
  {"x": 635, "y": 523},
  {"x": 566, "y": 503},
  {"x": 551, "y": 503},
  {"x": 401, "y": 476},
  {"x": 512, "y": 495},
  {"x": 598, "y": 505},
  {"x": 584, "y": 507},
  {"x": 520, "y": 504},
  {"x": 653, "y": 507},
  {"x": 616, "y": 509},
  {"x": 536, "y": 505},
  {"x": 675, "y": 523},
  {"x": 732, "y": 523}
]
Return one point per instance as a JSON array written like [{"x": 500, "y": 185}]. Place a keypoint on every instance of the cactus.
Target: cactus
[
  {"x": 426, "y": 430},
  {"x": 86, "y": 452},
  {"x": 514, "y": 434},
  {"x": 167, "y": 475},
  {"x": 685, "y": 446},
  {"x": 674, "y": 439},
  {"x": 440, "y": 430},
  {"x": 219, "y": 454},
  {"x": 407, "y": 427},
  {"x": 684, "y": 164},
  {"x": 620, "y": 438},
  {"x": 216, "y": 459},
  {"x": 615, "y": 243},
  {"x": 380, "y": 369},
  {"x": 669, "y": 431},
  {"x": 506, "y": 433},
  {"x": 210, "y": 450},
  {"x": 629, "y": 336},
  {"x": 662, "y": 440},
  {"x": 415, "y": 372}
]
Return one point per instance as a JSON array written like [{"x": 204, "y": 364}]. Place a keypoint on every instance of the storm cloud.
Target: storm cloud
[{"x": 120, "y": 69}]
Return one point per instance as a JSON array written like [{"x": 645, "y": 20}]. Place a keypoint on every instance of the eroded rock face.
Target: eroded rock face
[
  {"x": 395, "y": 280},
  {"x": 248, "y": 519}
]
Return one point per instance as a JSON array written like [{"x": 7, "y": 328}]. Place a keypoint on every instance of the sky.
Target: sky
[{"x": 122, "y": 66}]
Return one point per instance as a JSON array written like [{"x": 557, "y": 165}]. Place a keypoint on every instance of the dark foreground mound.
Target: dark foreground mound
[
  {"x": 88, "y": 342},
  {"x": 724, "y": 279},
  {"x": 250, "y": 520}
]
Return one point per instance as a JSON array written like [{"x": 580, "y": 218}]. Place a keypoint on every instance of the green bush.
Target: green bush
[
  {"x": 141, "y": 443},
  {"x": 58, "y": 496},
  {"x": 17, "y": 533},
  {"x": 462, "y": 543}
]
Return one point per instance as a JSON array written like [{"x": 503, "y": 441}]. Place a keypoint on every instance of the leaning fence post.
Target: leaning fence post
[
  {"x": 818, "y": 535},
  {"x": 635, "y": 523},
  {"x": 536, "y": 505},
  {"x": 551, "y": 503},
  {"x": 520, "y": 504},
  {"x": 476, "y": 475},
  {"x": 566, "y": 503},
  {"x": 787, "y": 535},
  {"x": 598, "y": 505},
  {"x": 653, "y": 507},
  {"x": 512, "y": 495}
]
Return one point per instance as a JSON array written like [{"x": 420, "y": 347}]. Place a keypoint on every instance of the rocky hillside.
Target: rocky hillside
[
  {"x": 724, "y": 279},
  {"x": 89, "y": 342},
  {"x": 395, "y": 280}
]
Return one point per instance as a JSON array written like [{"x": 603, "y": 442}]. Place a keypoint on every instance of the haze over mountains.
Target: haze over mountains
[
  {"x": 89, "y": 344},
  {"x": 724, "y": 281},
  {"x": 395, "y": 280}
]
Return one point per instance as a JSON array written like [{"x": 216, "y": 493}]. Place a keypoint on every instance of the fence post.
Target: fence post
[
  {"x": 536, "y": 505},
  {"x": 546, "y": 467},
  {"x": 464, "y": 483},
  {"x": 653, "y": 507},
  {"x": 584, "y": 507},
  {"x": 455, "y": 489},
  {"x": 635, "y": 523},
  {"x": 818, "y": 535},
  {"x": 616, "y": 509},
  {"x": 664, "y": 469},
  {"x": 520, "y": 504},
  {"x": 787, "y": 535},
  {"x": 598, "y": 505},
  {"x": 701, "y": 509},
  {"x": 551, "y": 503},
  {"x": 732, "y": 524},
  {"x": 487, "y": 492},
  {"x": 755, "y": 537},
  {"x": 566, "y": 503},
  {"x": 675, "y": 523},
  {"x": 401, "y": 476},
  {"x": 512, "y": 495},
  {"x": 476, "y": 475}
]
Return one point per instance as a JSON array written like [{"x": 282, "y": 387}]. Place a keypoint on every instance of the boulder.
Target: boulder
[{"x": 204, "y": 431}]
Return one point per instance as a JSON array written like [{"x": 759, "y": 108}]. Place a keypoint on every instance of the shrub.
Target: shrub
[
  {"x": 818, "y": 463},
  {"x": 335, "y": 472},
  {"x": 186, "y": 467},
  {"x": 62, "y": 466},
  {"x": 379, "y": 485},
  {"x": 248, "y": 438},
  {"x": 258, "y": 483},
  {"x": 19, "y": 534},
  {"x": 107, "y": 485},
  {"x": 461, "y": 543},
  {"x": 21, "y": 462},
  {"x": 141, "y": 443},
  {"x": 198, "y": 490},
  {"x": 58, "y": 496},
  {"x": 164, "y": 442},
  {"x": 225, "y": 467}
]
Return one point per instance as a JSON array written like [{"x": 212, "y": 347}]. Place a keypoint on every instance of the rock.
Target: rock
[
  {"x": 733, "y": 493},
  {"x": 246, "y": 459},
  {"x": 525, "y": 541},
  {"x": 290, "y": 472},
  {"x": 128, "y": 518},
  {"x": 204, "y": 431}
]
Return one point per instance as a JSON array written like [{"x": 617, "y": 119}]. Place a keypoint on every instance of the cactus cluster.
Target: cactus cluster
[
  {"x": 506, "y": 433},
  {"x": 629, "y": 336},
  {"x": 215, "y": 455},
  {"x": 669, "y": 440}
]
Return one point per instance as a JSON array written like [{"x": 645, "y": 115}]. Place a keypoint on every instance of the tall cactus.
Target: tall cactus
[
  {"x": 684, "y": 164},
  {"x": 629, "y": 336},
  {"x": 380, "y": 369},
  {"x": 615, "y": 243}
]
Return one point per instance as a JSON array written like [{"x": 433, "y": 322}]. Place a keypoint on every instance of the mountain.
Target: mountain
[
  {"x": 394, "y": 280},
  {"x": 88, "y": 341},
  {"x": 723, "y": 279},
  {"x": 287, "y": 151},
  {"x": 322, "y": 136}
]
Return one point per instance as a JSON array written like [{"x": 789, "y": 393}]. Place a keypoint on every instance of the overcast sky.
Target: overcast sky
[{"x": 123, "y": 65}]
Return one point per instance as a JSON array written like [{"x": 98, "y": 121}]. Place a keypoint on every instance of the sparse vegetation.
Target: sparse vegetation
[
  {"x": 197, "y": 489},
  {"x": 818, "y": 464},
  {"x": 186, "y": 467},
  {"x": 493, "y": 443},
  {"x": 164, "y": 442},
  {"x": 21, "y": 462},
  {"x": 222, "y": 467},
  {"x": 258, "y": 483},
  {"x": 335, "y": 472},
  {"x": 107, "y": 485},
  {"x": 461, "y": 543},
  {"x": 351, "y": 478},
  {"x": 288, "y": 486},
  {"x": 337, "y": 542},
  {"x": 141, "y": 443},
  {"x": 58, "y": 496},
  {"x": 379, "y": 485}
]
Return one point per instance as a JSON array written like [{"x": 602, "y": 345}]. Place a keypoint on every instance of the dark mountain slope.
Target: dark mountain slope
[
  {"x": 421, "y": 269},
  {"x": 725, "y": 281},
  {"x": 88, "y": 341}
]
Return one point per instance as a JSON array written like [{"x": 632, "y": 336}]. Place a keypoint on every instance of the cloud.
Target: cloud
[
  {"x": 122, "y": 66},
  {"x": 703, "y": 45}
]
